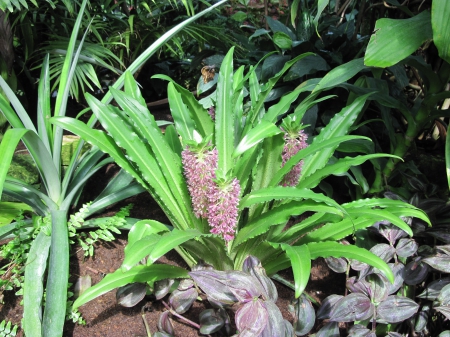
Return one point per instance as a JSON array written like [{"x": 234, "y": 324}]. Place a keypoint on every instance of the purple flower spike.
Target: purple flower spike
[
  {"x": 199, "y": 169},
  {"x": 293, "y": 144},
  {"x": 223, "y": 208}
]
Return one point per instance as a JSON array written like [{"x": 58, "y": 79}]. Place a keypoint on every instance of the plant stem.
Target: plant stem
[
  {"x": 147, "y": 328},
  {"x": 187, "y": 321}
]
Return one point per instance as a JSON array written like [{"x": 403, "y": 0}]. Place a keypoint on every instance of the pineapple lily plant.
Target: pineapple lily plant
[{"x": 230, "y": 185}]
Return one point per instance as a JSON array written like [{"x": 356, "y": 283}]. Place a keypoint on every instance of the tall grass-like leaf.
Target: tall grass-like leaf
[
  {"x": 327, "y": 249},
  {"x": 34, "y": 290},
  {"x": 58, "y": 277},
  {"x": 447, "y": 157},
  {"x": 440, "y": 11},
  {"x": 225, "y": 114},
  {"x": 142, "y": 274},
  {"x": 339, "y": 125}
]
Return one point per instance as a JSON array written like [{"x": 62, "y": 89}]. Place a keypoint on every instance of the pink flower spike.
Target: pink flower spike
[
  {"x": 293, "y": 144},
  {"x": 199, "y": 169},
  {"x": 223, "y": 208}
]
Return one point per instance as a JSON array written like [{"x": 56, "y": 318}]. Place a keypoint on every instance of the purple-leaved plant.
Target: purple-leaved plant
[
  {"x": 295, "y": 140},
  {"x": 199, "y": 168}
]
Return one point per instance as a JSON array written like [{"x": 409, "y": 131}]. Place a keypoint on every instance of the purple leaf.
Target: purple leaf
[
  {"x": 444, "y": 295},
  {"x": 406, "y": 247},
  {"x": 415, "y": 272},
  {"x": 359, "y": 330},
  {"x": 213, "y": 284},
  {"x": 378, "y": 287},
  {"x": 181, "y": 300},
  {"x": 422, "y": 318},
  {"x": 357, "y": 286},
  {"x": 433, "y": 289},
  {"x": 353, "y": 307},
  {"x": 162, "y": 288},
  {"x": 275, "y": 324},
  {"x": 165, "y": 324},
  {"x": 443, "y": 249},
  {"x": 305, "y": 316},
  {"x": 131, "y": 294},
  {"x": 327, "y": 304},
  {"x": 444, "y": 310},
  {"x": 251, "y": 318},
  {"x": 396, "y": 309},
  {"x": 383, "y": 251},
  {"x": 337, "y": 264},
  {"x": 253, "y": 266},
  {"x": 439, "y": 262},
  {"x": 331, "y": 329},
  {"x": 398, "y": 270},
  {"x": 210, "y": 321}
]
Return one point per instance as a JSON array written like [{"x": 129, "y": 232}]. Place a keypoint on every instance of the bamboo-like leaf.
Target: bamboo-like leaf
[
  {"x": 394, "y": 39},
  {"x": 327, "y": 249},
  {"x": 301, "y": 265},
  {"x": 154, "y": 246},
  {"x": 340, "y": 167},
  {"x": 282, "y": 193},
  {"x": 263, "y": 130},
  {"x": 339, "y": 125},
  {"x": 58, "y": 277},
  {"x": 311, "y": 149},
  {"x": 340, "y": 74},
  {"x": 34, "y": 286},
  {"x": 440, "y": 12},
  {"x": 225, "y": 114},
  {"x": 119, "y": 278},
  {"x": 281, "y": 214}
]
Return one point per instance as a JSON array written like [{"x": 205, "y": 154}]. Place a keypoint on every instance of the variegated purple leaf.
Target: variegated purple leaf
[
  {"x": 433, "y": 289},
  {"x": 422, "y": 318},
  {"x": 444, "y": 295},
  {"x": 328, "y": 303},
  {"x": 213, "y": 284},
  {"x": 162, "y": 288},
  {"x": 337, "y": 264},
  {"x": 390, "y": 232},
  {"x": 439, "y": 262},
  {"x": 305, "y": 315},
  {"x": 445, "y": 333},
  {"x": 288, "y": 329},
  {"x": 406, "y": 247},
  {"x": 275, "y": 324},
  {"x": 331, "y": 329},
  {"x": 131, "y": 294},
  {"x": 444, "y": 310},
  {"x": 165, "y": 324},
  {"x": 383, "y": 251},
  {"x": 357, "y": 286},
  {"x": 353, "y": 307},
  {"x": 394, "y": 334},
  {"x": 415, "y": 272},
  {"x": 251, "y": 318},
  {"x": 185, "y": 284},
  {"x": 443, "y": 249},
  {"x": 181, "y": 300},
  {"x": 398, "y": 270},
  {"x": 253, "y": 266},
  {"x": 378, "y": 287},
  {"x": 210, "y": 321},
  {"x": 396, "y": 309},
  {"x": 359, "y": 330}
]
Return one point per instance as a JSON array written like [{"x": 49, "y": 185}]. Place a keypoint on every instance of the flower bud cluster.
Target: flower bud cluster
[
  {"x": 294, "y": 142},
  {"x": 217, "y": 202}
]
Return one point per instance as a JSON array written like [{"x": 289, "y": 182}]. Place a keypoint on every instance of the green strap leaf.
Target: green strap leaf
[
  {"x": 33, "y": 285},
  {"x": 263, "y": 130},
  {"x": 440, "y": 12},
  {"x": 393, "y": 39},
  {"x": 119, "y": 278},
  {"x": 327, "y": 249},
  {"x": 340, "y": 74}
]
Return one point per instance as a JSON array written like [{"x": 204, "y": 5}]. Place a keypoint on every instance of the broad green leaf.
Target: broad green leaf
[
  {"x": 58, "y": 277},
  {"x": 34, "y": 286},
  {"x": 263, "y": 130},
  {"x": 340, "y": 74},
  {"x": 142, "y": 274},
  {"x": 394, "y": 39},
  {"x": 301, "y": 265},
  {"x": 282, "y": 193},
  {"x": 327, "y": 249},
  {"x": 143, "y": 228},
  {"x": 11, "y": 210},
  {"x": 339, "y": 125},
  {"x": 225, "y": 115},
  {"x": 154, "y": 246},
  {"x": 282, "y": 40},
  {"x": 440, "y": 12},
  {"x": 311, "y": 149}
]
